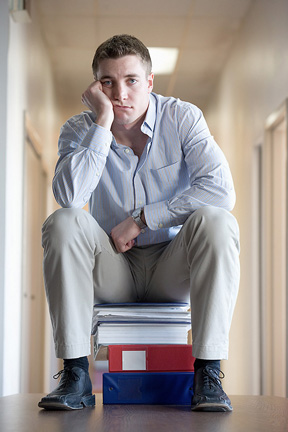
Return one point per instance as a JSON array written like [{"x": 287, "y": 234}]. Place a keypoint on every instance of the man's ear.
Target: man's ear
[{"x": 150, "y": 82}]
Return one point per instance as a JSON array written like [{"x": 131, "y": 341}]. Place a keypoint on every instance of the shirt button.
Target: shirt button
[
  {"x": 160, "y": 225},
  {"x": 140, "y": 202},
  {"x": 142, "y": 231},
  {"x": 127, "y": 150}
]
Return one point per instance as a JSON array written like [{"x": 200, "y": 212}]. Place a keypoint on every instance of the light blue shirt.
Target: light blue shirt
[{"x": 180, "y": 170}]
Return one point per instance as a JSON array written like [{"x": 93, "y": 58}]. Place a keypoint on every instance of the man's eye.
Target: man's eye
[
  {"x": 106, "y": 83},
  {"x": 132, "y": 81}
]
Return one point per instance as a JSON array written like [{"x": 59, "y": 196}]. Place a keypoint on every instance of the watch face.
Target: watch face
[{"x": 136, "y": 214}]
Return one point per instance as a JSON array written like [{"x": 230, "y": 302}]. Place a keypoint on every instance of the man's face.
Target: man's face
[{"x": 124, "y": 80}]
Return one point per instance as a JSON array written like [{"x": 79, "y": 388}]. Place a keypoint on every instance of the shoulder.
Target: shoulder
[
  {"x": 173, "y": 104},
  {"x": 176, "y": 110}
]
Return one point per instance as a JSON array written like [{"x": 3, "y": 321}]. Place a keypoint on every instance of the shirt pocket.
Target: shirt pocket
[{"x": 168, "y": 180}]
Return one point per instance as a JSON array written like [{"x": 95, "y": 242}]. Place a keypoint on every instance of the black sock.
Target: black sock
[
  {"x": 202, "y": 363},
  {"x": 81, "y": 362}
]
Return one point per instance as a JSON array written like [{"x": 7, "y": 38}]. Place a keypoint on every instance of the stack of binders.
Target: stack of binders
[
  {"x": 149, "y": 374},
  {"x": 150, "y": 368}
]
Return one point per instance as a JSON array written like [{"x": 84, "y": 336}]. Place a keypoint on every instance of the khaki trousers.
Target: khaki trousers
[{"x": 82, "y": 267}]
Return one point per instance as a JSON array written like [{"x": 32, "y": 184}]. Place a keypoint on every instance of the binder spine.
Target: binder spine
[
  {"x": 151, "y": 358},
  {"x": 162, "y": 388}
]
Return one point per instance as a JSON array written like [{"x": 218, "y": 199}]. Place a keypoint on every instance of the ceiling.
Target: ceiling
[{"x": 203, "y": 30}]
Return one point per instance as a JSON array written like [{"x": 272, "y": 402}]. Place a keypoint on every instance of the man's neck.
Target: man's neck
[{"x": 130, "y": 136}]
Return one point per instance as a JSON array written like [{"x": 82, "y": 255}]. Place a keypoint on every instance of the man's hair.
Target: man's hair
[{"x": 120, "y": 46}]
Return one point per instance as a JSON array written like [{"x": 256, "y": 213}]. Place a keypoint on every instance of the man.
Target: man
[{"x": 159, "y": 229}]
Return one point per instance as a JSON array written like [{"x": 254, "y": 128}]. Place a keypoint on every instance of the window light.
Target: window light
[{"x": 163, "y": 60}]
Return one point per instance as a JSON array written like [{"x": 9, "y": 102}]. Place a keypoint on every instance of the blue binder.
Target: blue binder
[{"x": 161, "y": 388}]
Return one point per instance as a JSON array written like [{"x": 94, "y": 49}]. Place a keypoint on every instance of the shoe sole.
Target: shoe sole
[
  {"x": 212, "y": 407},
  {"x": 86, "y": 402}
]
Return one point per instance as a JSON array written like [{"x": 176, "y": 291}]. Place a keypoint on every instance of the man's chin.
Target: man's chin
[
  {"x": 128, "y": 120},
  {"x": 122, "y": 121}
]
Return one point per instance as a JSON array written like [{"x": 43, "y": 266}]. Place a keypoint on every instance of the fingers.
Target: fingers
[
  {"x": 91, "y": 93},
  {"x": 124, "y": 234},
  {"x": 99, "y": 103},
  {"x": 121, "y": 248}
]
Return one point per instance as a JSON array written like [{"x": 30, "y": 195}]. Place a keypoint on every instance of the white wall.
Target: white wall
[
  {"x": 30, "y": 89},
  {"x": 4, "y": 26},
  {"x": 252, "y": 85}
]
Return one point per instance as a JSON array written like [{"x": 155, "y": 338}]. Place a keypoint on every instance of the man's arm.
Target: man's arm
[
  {"x": 208, "y": 170},
  {"x": 83, "y": 149},
  {"x": 209, "y": 175}
]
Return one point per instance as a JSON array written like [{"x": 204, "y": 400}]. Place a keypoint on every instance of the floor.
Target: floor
[{"x": 20, "y": 413}]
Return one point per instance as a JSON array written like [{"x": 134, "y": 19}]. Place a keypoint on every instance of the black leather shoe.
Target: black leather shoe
[
  {"x": 73, "y": 392},
  {"x": 208, "y": 392}
]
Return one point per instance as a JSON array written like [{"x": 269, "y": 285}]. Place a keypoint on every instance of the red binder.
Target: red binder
[{"x": 150, "y": 358}]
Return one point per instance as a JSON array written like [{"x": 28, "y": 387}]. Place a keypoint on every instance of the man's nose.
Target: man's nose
[{"x": 120, "y": 92}]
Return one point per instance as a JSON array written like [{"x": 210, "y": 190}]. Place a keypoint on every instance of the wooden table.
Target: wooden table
[{"x": 20, "y": 413}]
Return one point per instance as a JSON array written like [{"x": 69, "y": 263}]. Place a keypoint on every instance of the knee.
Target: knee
[
  {"x": 215, "y": 225},
  {"x": 62, "y": 225}
]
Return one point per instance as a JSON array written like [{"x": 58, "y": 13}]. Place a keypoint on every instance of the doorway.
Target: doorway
[
  {"x": 33, "y": 297},
  {"x": 274, "y": 299}
]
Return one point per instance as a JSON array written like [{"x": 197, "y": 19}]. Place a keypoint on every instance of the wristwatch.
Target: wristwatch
[{"x": 136, "y": 215}]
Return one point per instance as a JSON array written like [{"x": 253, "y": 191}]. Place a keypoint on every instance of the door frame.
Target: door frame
[
  {"x": 268, "y": 316},
  {"x": 32, "y": 139}
]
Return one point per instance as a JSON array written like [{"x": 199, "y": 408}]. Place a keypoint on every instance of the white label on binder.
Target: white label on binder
[{"x": 133, "y": 360}]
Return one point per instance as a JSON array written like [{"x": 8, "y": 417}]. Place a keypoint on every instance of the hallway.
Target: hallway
[{"x": 232, "y": 62}]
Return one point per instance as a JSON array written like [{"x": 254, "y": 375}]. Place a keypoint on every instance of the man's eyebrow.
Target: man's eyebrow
[{"x": 130, "y": 75}]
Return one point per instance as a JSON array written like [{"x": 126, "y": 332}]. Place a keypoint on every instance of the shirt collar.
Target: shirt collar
[{"x": 150, "y": 118}]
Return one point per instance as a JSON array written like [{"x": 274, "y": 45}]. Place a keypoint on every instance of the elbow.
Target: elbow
[
  {"x": 230, "y": 200},
  {"x": 64, "y": 198},
  {"x": 66, "y": 204}
]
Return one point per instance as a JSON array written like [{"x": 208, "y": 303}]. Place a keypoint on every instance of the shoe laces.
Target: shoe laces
[
  {"x": 66, "y": 375},
  {"x": 211, "y": 378}
]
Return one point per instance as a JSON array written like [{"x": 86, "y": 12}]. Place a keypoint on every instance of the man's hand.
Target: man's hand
[
  {"x": 96, "y": 100},
  {"x": 123, "y": 235}
]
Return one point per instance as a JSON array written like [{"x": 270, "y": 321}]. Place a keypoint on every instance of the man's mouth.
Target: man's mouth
[{"x": 124, "y": 107}]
